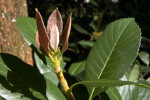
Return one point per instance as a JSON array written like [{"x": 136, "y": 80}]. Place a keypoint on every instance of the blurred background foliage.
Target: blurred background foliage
[{"x": 89, "y": 19}]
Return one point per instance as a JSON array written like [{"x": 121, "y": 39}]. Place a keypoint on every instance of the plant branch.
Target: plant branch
[{"x": 63, "y": 82}]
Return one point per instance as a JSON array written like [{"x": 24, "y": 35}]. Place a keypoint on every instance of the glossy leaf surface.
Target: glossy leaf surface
[
  {"x": 27, "y": 27},
  {"x": 47, "y": 72},
  {"x": 21, "y": 79},
  {"x": 113, "y": 52},
  {"x": 130, "y": 92},
  {"x": 19, "y": 76}
]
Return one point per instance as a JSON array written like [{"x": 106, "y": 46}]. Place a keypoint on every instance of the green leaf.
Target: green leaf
[
  {"x": 81, "y": 75},
  {"x": 144, "y": 56},
  {"x": 113, "y": 52},
  {"x": 86, "y": 43},
  {"x": 27, "y": 27},
  {"x": 145, "y": 69},
  {"x": 7, "y": 94},
  {"x": 134, "y": 73},
  {"x": 130, "y": 92},
  {"x": 52, "y": 92},
  {"x": 148, "y": 80},
  {"x": 94, "y": 3},
  {"x": 134, "y": 92},
  {"x": 80, "y": 29},
  {"x": 103, "y": 83},
  {"x": 19, "y": 78},
  {"x": 48, "y": 72},
  {"x": 77, "y": 67},
  {"x": 113, "y": 93}
]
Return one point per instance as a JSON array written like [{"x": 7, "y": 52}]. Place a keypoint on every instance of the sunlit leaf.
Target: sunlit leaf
[{"x": 113, "y": 52}]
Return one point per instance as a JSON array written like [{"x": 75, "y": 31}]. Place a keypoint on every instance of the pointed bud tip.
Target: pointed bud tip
[
  {"x": 36, "y": 9},
  {"x": 71, "y": 14}
]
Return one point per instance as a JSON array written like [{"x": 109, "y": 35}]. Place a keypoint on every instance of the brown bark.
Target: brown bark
[{"x": 11, "y": 40}]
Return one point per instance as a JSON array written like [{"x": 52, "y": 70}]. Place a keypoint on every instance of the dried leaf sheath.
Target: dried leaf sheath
[
  {"x": 66, "y": 33},
  {"x": 41, "y": 38},
  {"x": 55, "y": 17}
]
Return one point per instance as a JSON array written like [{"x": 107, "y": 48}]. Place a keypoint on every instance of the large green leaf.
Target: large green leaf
[
  {"x": 130, "y": 92},
  {"x": 7, "y": 94},
  {"x": 18, "y": 78},
  {"x": 48, "y": 72},
  {"x": 77, "y": 67},
  {"x": 52, "y": 92},
  {"x": 113, "y": 52},
  {"x": 27, "y": 27}
]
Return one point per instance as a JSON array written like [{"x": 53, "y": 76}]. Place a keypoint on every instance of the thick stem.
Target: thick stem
[{"x": 63, "y": 83}]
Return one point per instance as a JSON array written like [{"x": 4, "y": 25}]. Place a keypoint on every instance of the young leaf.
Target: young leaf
[
  {"x": 55, "y": 17},
  {"x": 28, "y": 29},
  {"x": 41, "y": 36},
  {"x": 66, "y": 33},
  {"x": 39, "y": 45},
  {"x": 54, "y": 37},
  {"x": 113, "y": 52}
]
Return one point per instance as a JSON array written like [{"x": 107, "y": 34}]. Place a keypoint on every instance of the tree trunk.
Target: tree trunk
[{"x": 11, "y": 40}]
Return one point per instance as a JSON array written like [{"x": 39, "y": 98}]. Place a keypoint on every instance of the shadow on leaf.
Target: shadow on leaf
[{"x": 18, "y": 76}]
